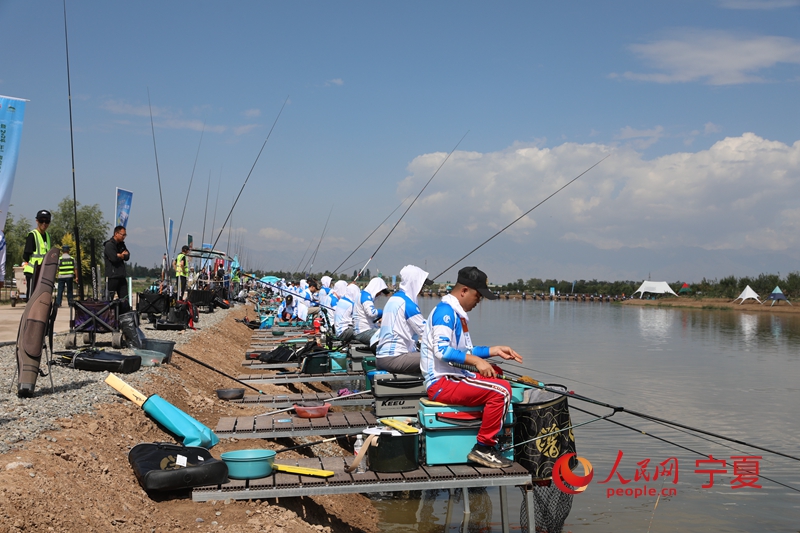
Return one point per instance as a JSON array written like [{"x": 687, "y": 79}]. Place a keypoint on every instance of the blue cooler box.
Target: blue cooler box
[{"x": 449, "y": 442}]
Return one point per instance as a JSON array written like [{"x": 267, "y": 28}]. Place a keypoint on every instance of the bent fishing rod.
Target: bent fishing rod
[
  {"x": 158, "y": 175},
  {"x": 335, "y": 270},
  {"x": 314, "y": 255},
  {"x": 191, "y": 179},
  {"x": 571, "y": 394},
  {"x": 570, "y": 182},
  {"x": 409, "y": 207},
  {"x": 249, "y": 174}
]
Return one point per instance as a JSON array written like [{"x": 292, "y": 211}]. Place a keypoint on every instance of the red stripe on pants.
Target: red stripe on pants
[{"x": 492, "y": 393}]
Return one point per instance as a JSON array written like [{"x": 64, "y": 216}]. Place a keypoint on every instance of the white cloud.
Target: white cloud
[
  {"x": 641, "y": 138},
  {"x": 739, "y": 194},
  {"x": 274, "y": 235},
  {"x": 244, "y": 129},
  {"x": 758, "y": 4},
  {"x": 713, "y": 56},
  {"x": 710, "y": 127},
  {"x": 252, "y": 113},
  {"x": 336, "y": 81}
]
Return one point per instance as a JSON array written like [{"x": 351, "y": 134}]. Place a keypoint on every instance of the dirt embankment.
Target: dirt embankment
[
  {"x": 715, "y": 303},
  {"x": 79, "y": 479}
]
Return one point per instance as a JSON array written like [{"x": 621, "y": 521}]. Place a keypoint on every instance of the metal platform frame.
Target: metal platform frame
[
  {"x": 286, "y": 425},
  {"x": 286, "y": 379},
  {"x": 287, "y": 400},
  {"x": 281, "y": 485},
  {"x": 255, "y": 364}
]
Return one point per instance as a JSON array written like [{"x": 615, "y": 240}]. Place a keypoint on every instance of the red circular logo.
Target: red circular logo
[{"x": 562, "y": 474}]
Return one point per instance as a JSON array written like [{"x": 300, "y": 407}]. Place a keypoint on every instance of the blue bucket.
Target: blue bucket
[{"x": 249, "y": 464}]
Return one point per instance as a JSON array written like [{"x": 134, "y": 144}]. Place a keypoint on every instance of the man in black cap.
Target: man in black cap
[
  {"x": 446, "y": 340},
  {"x": 116, "y": 253},
  {"x": 37, "y": 244},
  {"x": 66, "y": 273}
]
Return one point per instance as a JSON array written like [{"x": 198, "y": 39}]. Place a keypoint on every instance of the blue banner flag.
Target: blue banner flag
[
  {"x": 12, "y": 111},
  {"x": 124, "y": 199}
]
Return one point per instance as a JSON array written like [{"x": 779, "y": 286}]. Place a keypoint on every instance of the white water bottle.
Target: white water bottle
[{"x": 362, "y": 466}]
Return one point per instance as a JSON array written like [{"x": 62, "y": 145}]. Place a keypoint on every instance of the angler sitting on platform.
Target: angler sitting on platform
[
  {"x": 343, "y": 315},
  {"x": 366, "y": 316},
  {"x": 446, "y": 340},
  {"x": 402, "y": 325}
]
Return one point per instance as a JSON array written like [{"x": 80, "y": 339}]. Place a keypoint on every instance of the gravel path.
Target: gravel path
[{"x": 76, "y": 391}]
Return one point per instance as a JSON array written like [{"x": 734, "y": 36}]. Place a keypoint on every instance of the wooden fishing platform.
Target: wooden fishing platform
[
  {"x": 285, "y": 425},
  {"x": 286, "y": 379},
  {"x": 287, "y": 400},
  {"x": 282, "y": 485}
]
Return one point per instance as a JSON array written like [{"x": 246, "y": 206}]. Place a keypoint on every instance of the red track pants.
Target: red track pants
[{"x": 494, "y": 394}]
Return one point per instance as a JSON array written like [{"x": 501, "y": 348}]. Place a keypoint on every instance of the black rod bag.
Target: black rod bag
[
  {"x": 102, "y": 361},
  {"x": 164, "y": 466}
]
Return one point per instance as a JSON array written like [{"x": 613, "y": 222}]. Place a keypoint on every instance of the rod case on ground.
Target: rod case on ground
[
  {"x": 102, "y": 361},
  {"x": 33, "y": 324},
  {"x": 165, "y": 466}
]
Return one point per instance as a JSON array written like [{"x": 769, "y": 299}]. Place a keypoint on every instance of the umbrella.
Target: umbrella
[
  {"x": 170, "y": 417},
  {"x": 269, "y": 279}
]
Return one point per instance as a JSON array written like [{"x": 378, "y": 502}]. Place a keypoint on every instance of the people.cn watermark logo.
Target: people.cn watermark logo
[{"x": 564, "y": 478}]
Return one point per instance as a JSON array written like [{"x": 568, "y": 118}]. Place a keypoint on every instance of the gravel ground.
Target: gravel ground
[{"x": 75, "y": 391}]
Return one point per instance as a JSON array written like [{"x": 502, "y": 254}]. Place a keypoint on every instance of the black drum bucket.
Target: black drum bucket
[
  {"x": 544, "y": 413},
  {"x": 394, "y": 452}
]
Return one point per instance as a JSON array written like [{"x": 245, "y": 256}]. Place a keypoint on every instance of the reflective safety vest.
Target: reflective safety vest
[
  {"x": 42, "y": 247},
  {"x": 66, "y": 267},
  {"x": 181, "y": 270}
]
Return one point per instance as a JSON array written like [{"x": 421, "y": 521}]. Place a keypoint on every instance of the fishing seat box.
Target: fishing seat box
[
  {"x": 316, "y": 363},
  {"x": 397, "y": 394},
  {"x": 164, "y": 466},
  {"x": 449, "y": 441}
]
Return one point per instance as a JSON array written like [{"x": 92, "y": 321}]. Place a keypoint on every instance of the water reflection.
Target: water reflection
[{"x": 655, "y": 325}]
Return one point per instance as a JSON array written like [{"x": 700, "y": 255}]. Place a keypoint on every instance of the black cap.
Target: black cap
[
  {"x": 43, "y": 215},
  {"x": 474, "y": 278},
  {"x": 65, "y": 247}
]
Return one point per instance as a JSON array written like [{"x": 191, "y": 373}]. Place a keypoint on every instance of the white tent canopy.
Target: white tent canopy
[
  {"x": 748, "y": 293},
  {"x": 654, "y": 287}
]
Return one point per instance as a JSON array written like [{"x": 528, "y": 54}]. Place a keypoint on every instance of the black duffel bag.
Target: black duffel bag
[
  {"x": 164, "y": 466},
  {"x": 102, "y": 361}
]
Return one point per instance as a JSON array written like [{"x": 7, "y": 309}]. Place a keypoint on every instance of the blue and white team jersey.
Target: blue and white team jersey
[
  {"x": 325, "y": 297},
  {"x": 366, "y": 314},
  {"x": 445, "y": 341},
  {"x": 343, "y": 315},
  {"x": 401, "y": 326}
]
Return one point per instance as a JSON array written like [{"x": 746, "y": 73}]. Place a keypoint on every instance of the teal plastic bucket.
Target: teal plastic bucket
[
  {"x": 249, "y": 464},
  {"x": 338, "y": 362}
]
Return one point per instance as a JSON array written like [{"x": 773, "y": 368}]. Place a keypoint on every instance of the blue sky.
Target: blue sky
[{"x": 696, "y": 103}]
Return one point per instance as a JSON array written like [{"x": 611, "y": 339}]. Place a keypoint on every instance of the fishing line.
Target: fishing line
[
  {"x": 158, "y": 174},
  {"x": 573, "y": 394},
  {"x": 677, "y": 445},
  {"x": 297, "y": 268},
  {"x": 191, "y": 179},
  {"x": 314, "y": 255},
  {"x": 370, "y": 235},
  {"x": 410, "y": 206},
  {"x": 516, "y": 365},
  {"x": 249, "y": 173},
  {"x": 521, "y": 216},
  {"x": 205, "y": 214}
]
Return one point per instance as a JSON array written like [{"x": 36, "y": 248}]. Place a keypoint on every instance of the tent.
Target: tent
[
  {"x": 655, "y": 287},
  {"x": 776, "y": 296},
  {"x": 748, "y": 293},
  {"x": 685, "y": 289}
]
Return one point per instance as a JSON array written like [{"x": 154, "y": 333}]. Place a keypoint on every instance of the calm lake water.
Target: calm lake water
[{"x": 731, "y": 373}]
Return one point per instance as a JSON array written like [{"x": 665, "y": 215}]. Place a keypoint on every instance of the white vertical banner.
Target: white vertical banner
[{"x": 12, "y": 112}]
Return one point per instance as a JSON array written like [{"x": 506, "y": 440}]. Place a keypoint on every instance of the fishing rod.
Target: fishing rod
[
  {"x": 314, "y": 256},
  {"x": 410, "y": 206},
  {"x": 370, "y": 235},
  {"x": 205, "y": 214},
  {"x": 72, "y": 152},
  {"x": 571, "y": 394},
  {"x": 216, "y": 201},
  {"x": 666, "y": 441},
  {"x": 516, "y": 365},
  {"x": 297, "y": 268},
  {"x": 191, "y": 179},
  {"x": 158, "y": 175},
  {"x": 249, "y": 173},
  {"x": 521, "y": 216},
  {"x": 190, "y": 358}
]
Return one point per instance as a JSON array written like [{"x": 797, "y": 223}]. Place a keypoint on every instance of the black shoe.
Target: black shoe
[{"x": 488, "y": 457}]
